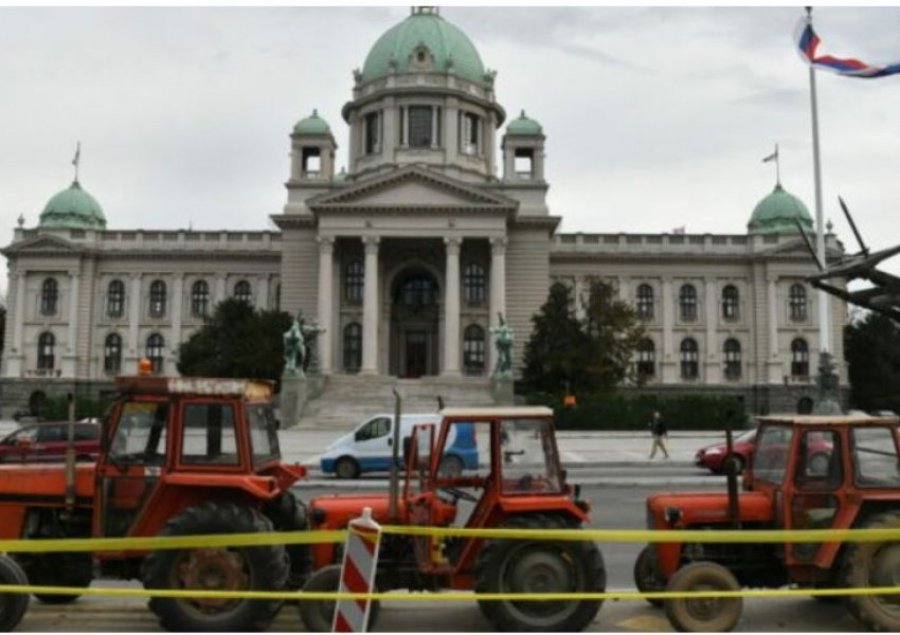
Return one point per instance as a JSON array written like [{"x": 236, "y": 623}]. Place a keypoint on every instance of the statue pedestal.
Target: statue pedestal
[
  {"x": 502, "y": 390},
  {"x": 296, "y": 392}
]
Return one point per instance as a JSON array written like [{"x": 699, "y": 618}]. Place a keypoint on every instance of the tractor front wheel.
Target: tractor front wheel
[
  {"x": 263, "y": 568},
  {"x": 711, "y": 614},
  {"x": 59, "y": 569},
  {"x": 12, "y": 605},
  {"x": 875, "y": 564},
  {"x": 647, "y": 576},
  {"x": 540, "y": 566},
  {"x": 318, "y": 615}
]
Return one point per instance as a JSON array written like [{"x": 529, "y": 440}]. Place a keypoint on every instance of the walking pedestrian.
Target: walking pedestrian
[{"x": 660, "y": 434}]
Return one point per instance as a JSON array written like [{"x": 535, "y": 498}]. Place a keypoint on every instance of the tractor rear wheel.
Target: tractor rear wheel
[
  {"x": 12, "y": 605},
  {"x": 875, "y": 564},
  {"x": 263, "y": 568},
  {"x": 318, "y": 615},
  {"x": 703, "y": 614},
  {"x": 289, "y": 514},
  {"x": 647, "y": 576},
  {"x": 540, "y": 566}
]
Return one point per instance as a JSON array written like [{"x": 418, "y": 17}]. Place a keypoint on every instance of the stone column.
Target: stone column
[
  {"x": 669, "y": 365},
  {"x": 712, "y": 367},
  {"x": 14, "y": 361},
  {"x": 370, "y": 308},
  {"x": 451, "y": 308},
  {"x": 177, "y": 310},
  {"x": 134, "y": 316},
  {"x": 498, "y": 292},
  {"x": 326, "y": 273},
  {"x": 221, "y": 292},
  {"x": 776, "y": 371},
  {"x": 69, "y": 359},
  {"x": 578, "y": 290},
  {"x": 262, "y": 293}
]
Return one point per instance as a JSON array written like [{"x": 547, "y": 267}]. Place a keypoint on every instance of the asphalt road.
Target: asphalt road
[{"x": 614, "y": 507}]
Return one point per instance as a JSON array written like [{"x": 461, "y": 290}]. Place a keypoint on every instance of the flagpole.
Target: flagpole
[{"x": 824, "y": 304}]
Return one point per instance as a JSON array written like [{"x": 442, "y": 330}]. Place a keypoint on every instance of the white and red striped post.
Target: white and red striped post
[{"x": 358, "y": 574}]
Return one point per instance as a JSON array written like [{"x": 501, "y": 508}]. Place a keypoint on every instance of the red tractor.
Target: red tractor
[
  {"x": 788, "y": 485},
  {"x": 179, "y": 456},
  {"x": 519, "y": 484}
]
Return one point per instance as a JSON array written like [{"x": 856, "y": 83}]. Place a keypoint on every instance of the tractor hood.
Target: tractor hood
[
  {"x": 335, "y": 511},
  {"x": 698, "y": 508}
]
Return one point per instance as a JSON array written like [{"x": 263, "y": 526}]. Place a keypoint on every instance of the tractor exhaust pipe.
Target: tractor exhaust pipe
[
  {"x": 731, "y": 479},
  {"x": 70, "y": 454},
  {"x": 394, "y": 483}
]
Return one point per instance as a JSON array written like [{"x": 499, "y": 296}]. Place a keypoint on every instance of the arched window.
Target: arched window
[
  {"x": 804, "y": 406},
  {"x": 49, "y": 297},
  {"x": 731, "y": 303},
  {"x": 352, "y": 347},
  {"x": 200, "y": 298},
  {"x": 115, "y": 299},
  {"x": 417, "y": 291},
  {"x": 157, "y": 299},
  {"x": 474, "y": 284},
  {"x": 112, "y": 354},
  {"x": 687, "y": 301},
  {"x": 732, "y": 359},
  {"x": 646, "y": 358},
  {"x": 644, "y": 304},
  {"x": 797, "y": 302},
  {"x": 799, "y": 358},
  {"x": 354, "y": 277},
  {"x": 242, "y": 291},
  {"x": 473, "y": 350},
  {"x": 45, "y": 357},
  {"x": 690, "y": 366},
  {"x": 155, "y": 344}
]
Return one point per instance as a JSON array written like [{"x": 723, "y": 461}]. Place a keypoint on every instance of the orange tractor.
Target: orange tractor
[
  {"x": 788, "y": 485},
  {"x": 519, "y": 485},
  {"x": 179, "y": 456}
]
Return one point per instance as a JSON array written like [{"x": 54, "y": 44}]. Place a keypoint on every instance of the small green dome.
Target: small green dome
[
  {"x": 776, "y": 214},
  {"x": 397, "y": 49},
  {"x": 73, "y": 208},
  {"x": 524, "y": 126},
  {"x": 313, "y": 124}
]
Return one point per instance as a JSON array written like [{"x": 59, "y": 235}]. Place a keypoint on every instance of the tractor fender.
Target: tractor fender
[{"x": 561, "y": 505}]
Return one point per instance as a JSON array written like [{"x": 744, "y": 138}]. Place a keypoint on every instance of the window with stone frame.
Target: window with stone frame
[
  {"x": 731, "y": 300},
  {"x": 474, "y": 284},
  {"x": 112, "y": 354},
  {"x": 200, "y": 298},
  {"x": 690, "y": 358},
  {"x": 799, "y": 358},
  {"x": 797, "y": 303},
  {"x": 470, "y": 134},
  {"x": 421, "y": 131},
  {"x": 352, "y": 347},
  {"x": 646, "y": 358},
  {"x": 644, "y": 302},
  {"x": 473, "y": 350},
  {"x": 46, "y": 359},
  {"x": 115, "y": 299},
  {"x": 732, "y": 352},
  {"x": 154, "y": 352},
  {"x": 49, "y": 297},
  {"x": 243, "y": 292},
  {"x": 157, "y": 299},
  {"x": 354, "y": 281},
  {"x": 687, "y": 303},
  {"x": 373, "y": 133}
]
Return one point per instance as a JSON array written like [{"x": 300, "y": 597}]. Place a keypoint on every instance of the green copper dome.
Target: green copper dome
[
  {"x": 73, "y": 208},
  {"x": 776, "y": 214},
  {"x": 399, "y": 47},
  {"x": 524, "y": 126},
  {"x": 313, "y": 124}
]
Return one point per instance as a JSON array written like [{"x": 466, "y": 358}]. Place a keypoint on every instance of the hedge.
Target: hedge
[
  {"x": 618, "y": 412},
  {"x": 56, "y": 408}
]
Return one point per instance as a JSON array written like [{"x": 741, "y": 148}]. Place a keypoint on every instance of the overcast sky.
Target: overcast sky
[{"x": 655, "y": 117}]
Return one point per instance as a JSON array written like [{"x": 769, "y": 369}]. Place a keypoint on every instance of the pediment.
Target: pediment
[
  {"x": 411, "y": 188},
  {"x": 41, "y": 243}
]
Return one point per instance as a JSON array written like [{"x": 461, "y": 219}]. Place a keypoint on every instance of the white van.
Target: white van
[{"x": 369, "y": 447}]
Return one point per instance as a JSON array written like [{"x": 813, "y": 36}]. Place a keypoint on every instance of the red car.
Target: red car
[
  {"x": 712, "y": 457},
  {"x": 48, "y": 442}
]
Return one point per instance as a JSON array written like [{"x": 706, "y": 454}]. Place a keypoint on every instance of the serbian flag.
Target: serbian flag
[{"x": 808, "y": 42}]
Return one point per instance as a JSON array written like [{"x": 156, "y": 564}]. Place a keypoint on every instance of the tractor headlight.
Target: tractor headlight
[{"x": 673, "y": 515}]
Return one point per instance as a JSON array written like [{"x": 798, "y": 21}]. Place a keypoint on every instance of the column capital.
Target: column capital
[
  {"x": 326, "y": 243},
  {"x": 371, "y": 243},
  {"x": 453, "y": 244},
  {"x": 498, "y": 245}
]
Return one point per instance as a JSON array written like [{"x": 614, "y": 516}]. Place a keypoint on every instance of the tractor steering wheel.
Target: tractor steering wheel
[{"x": 458, "y": 493}]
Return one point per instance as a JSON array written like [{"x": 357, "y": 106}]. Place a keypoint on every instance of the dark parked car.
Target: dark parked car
[{"x": 48, "y": 442}]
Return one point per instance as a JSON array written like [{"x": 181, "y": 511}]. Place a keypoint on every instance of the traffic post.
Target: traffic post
[{"x": 358, "y": 574}]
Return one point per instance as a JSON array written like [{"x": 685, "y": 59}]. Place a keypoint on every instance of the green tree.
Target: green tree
[
  {"x": 872, "y": 350},
  {"x": 613, "y": 331},
  {"x": 236, "y": 341},
  {"x": 556, "y": 352}
]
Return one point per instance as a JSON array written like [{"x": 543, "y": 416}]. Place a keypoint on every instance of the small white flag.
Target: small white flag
[{"x": 772, "y": 156}]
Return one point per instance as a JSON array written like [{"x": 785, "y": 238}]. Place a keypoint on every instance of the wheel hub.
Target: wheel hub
[{"x": 213, "y": 570}]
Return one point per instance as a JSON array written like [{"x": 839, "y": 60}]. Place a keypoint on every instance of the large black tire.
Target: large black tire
[
  {"x": 262, "y": 568},
  {"x": 540, "y": 566},
  {"x": 710, "y": 615},
  {"x": 647, "y": 576},
  {"x": 874, "y": 564},
  {"x": 318, "y": 615},
  {"x": 346, "y": 467},
  {"x": 12, "y": 605},
  {"x": 289, "y": 514},
  {"x": 59, "y": 569}
]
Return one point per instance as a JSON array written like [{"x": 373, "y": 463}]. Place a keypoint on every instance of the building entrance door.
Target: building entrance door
[{"x": 416, "y": 353}]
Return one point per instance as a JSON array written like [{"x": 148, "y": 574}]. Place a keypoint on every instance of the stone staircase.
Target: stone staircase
[{"x": 347, "y": 400}]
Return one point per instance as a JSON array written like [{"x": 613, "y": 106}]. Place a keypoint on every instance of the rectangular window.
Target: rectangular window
[
  {"x": 523, "y": 162},
  {"x": 373, "y": 133},
  {"x": 209, "y": 434},
  {"x": 263, "y": 433},
  {"x": 875, "y": 457},
  {"x": 469, "y": 134},
  {"x": 420, "y": 127}
]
